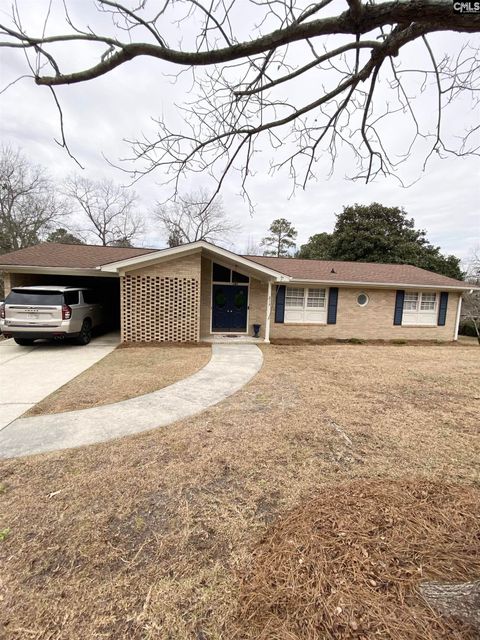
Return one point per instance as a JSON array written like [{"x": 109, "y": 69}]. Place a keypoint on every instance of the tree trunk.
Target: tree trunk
[{"x": 461, "y": 601}]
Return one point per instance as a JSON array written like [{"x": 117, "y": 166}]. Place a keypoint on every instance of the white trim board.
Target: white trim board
[
  {"x": 231, "y": 284},
  {"x": 186, "y": 249},
  {"x": 379, "y": 285},
  {"x": 59, "y": 271}
]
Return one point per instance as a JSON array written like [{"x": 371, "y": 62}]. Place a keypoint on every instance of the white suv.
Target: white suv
[{"x": 50, "y": 312}]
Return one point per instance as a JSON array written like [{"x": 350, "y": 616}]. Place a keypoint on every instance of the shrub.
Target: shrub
[
  {"x": 4, "y": 533},
  {"x": 467, "y": 328}
]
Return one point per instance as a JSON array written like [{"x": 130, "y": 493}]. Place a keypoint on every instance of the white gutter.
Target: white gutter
[
  {"x": 457, "y": 320},
  {"x": 59, "y": 271},
  {"x": 380, "y": 285}
]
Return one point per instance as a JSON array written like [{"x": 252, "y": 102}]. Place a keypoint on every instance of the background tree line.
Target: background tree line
[
  {"x": 365, "y": 233},
  {"x": 34, "y": 208}
]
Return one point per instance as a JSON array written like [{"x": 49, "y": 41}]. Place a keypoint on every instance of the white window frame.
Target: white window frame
[
  {"x": 367, "y": 299},
  {"x": 417, "y": 316},
  {"x": 289, "y": 295},
  {"x": 414, "y": 300},
  {"x": 305, "y": 313}
]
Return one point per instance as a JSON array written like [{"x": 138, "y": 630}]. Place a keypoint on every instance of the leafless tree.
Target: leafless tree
[
  {"x": 253, "y": 248},
  {"x": 194, "y": 216},
  {"x": 29, "y": 204},
  {"x": 247, "y": 58},
  {"x": 108, "y": 210},
  {"x": 471, "y": 300}
]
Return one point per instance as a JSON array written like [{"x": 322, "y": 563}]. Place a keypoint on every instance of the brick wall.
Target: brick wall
[
  {"x": 258, "y": 305},
  {"x": 7, "y": 287},
  {"x": 375, "y": 321},
  {"x": 18, "y": 280},
  {"x": 161, "y": 302}
]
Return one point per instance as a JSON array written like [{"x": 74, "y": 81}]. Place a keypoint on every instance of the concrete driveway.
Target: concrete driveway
[
  {"x": 29, "y": 374},
  {"x": 230, "y": 368}
]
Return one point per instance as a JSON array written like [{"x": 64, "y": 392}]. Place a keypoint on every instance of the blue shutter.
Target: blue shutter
[
  {"x": 442, "y": 309},
  {"x": 332, "y": 305},
  {"x": 397, "y": 316},
  {"x": 280, "y": 303}
]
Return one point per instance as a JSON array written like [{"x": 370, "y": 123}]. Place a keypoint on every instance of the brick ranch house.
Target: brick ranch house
[{"x": 195, "y": 291}]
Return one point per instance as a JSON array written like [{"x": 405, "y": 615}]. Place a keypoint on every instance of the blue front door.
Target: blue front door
[{"x": 229, "y": 307}]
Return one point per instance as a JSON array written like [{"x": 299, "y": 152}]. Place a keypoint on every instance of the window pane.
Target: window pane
[
  {"x": 411, "y": 302},
  {"x": 316, "y": 298},
  {"x": 239, "y": 277},
  {"x": 428, "y": 302},
  {"x": 71, "y": 297},
  {"x": 35, "y": 298},
  {"x": 220, "y": 273},
  {"x": 294, "y": 297}
]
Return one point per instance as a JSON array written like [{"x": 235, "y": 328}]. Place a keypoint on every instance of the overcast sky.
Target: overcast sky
[{"x": 99, "y": 115}]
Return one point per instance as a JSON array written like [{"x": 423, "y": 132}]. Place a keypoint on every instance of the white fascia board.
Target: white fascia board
[
  {"x": 380, "y": 285},
  {"x": 245, "y": 262},
  {"x": 167, "y": 254},
  {"x": 56, "y": 271},
  {"x": 145, "y": 259}
]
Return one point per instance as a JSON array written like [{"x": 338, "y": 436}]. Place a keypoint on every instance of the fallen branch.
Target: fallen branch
[
  {"x": 459, "y": 600},
  {"x": 342, "y": 433}
]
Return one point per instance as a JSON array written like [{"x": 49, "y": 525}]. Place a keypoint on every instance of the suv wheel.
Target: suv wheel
[
  {"x": 85, "y": 333},
  {"x": 23, "y": 342}
]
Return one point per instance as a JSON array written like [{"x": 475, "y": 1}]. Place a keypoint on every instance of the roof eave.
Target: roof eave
[
  {"x": 68, "y": 271},
  {"x": 163, "y": 255},
  {"x": 383, "y": 285}
]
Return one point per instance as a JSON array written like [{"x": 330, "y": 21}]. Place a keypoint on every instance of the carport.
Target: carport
[
  {"x": 108, "y": 288},
  {"x": 74, "y": 265}
]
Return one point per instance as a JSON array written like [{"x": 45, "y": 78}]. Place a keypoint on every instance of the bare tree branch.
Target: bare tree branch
[
  {"x": 29, "y": 203},
  {"x": 107, "y": 209},
  {"x": 245, "y": 92},
  {"x": 194, "y": 216}
]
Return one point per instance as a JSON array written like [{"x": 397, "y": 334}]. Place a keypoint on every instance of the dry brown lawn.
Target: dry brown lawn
[
  {"x": 154, "y": 536},
  {"x": 123, "y": 374}
]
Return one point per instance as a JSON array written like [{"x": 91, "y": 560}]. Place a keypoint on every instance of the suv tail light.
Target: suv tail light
[
  {"x": 2, "y": 311},
  {"x": 66, "y": 312}
]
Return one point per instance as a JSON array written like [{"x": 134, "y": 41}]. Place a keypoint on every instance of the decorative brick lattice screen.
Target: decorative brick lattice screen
[{"x": 160, "y": 309}]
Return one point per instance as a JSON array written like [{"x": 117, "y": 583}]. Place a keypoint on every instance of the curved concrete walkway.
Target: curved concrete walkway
[{"x": 230, "y": 368}]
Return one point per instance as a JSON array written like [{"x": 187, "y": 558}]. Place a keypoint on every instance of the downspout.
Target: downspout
[{"x": 457, "y": 321}]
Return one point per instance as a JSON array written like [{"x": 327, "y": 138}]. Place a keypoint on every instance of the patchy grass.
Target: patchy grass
[
  {"x": 151, "y": 537},
  {"x": 124, "y": 373},
  {"x": 468, "y": 340}
]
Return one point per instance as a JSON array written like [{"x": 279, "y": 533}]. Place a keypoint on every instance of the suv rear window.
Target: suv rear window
[
  {"x": 71, "y": 297},
  {"x": 36, "y": 298}
]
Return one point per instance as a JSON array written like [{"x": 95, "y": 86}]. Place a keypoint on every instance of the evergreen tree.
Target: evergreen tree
[{"x": 281, "y": 239}]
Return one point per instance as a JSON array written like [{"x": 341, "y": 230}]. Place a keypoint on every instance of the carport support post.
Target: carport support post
[{"x": 267, "y": 315}]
